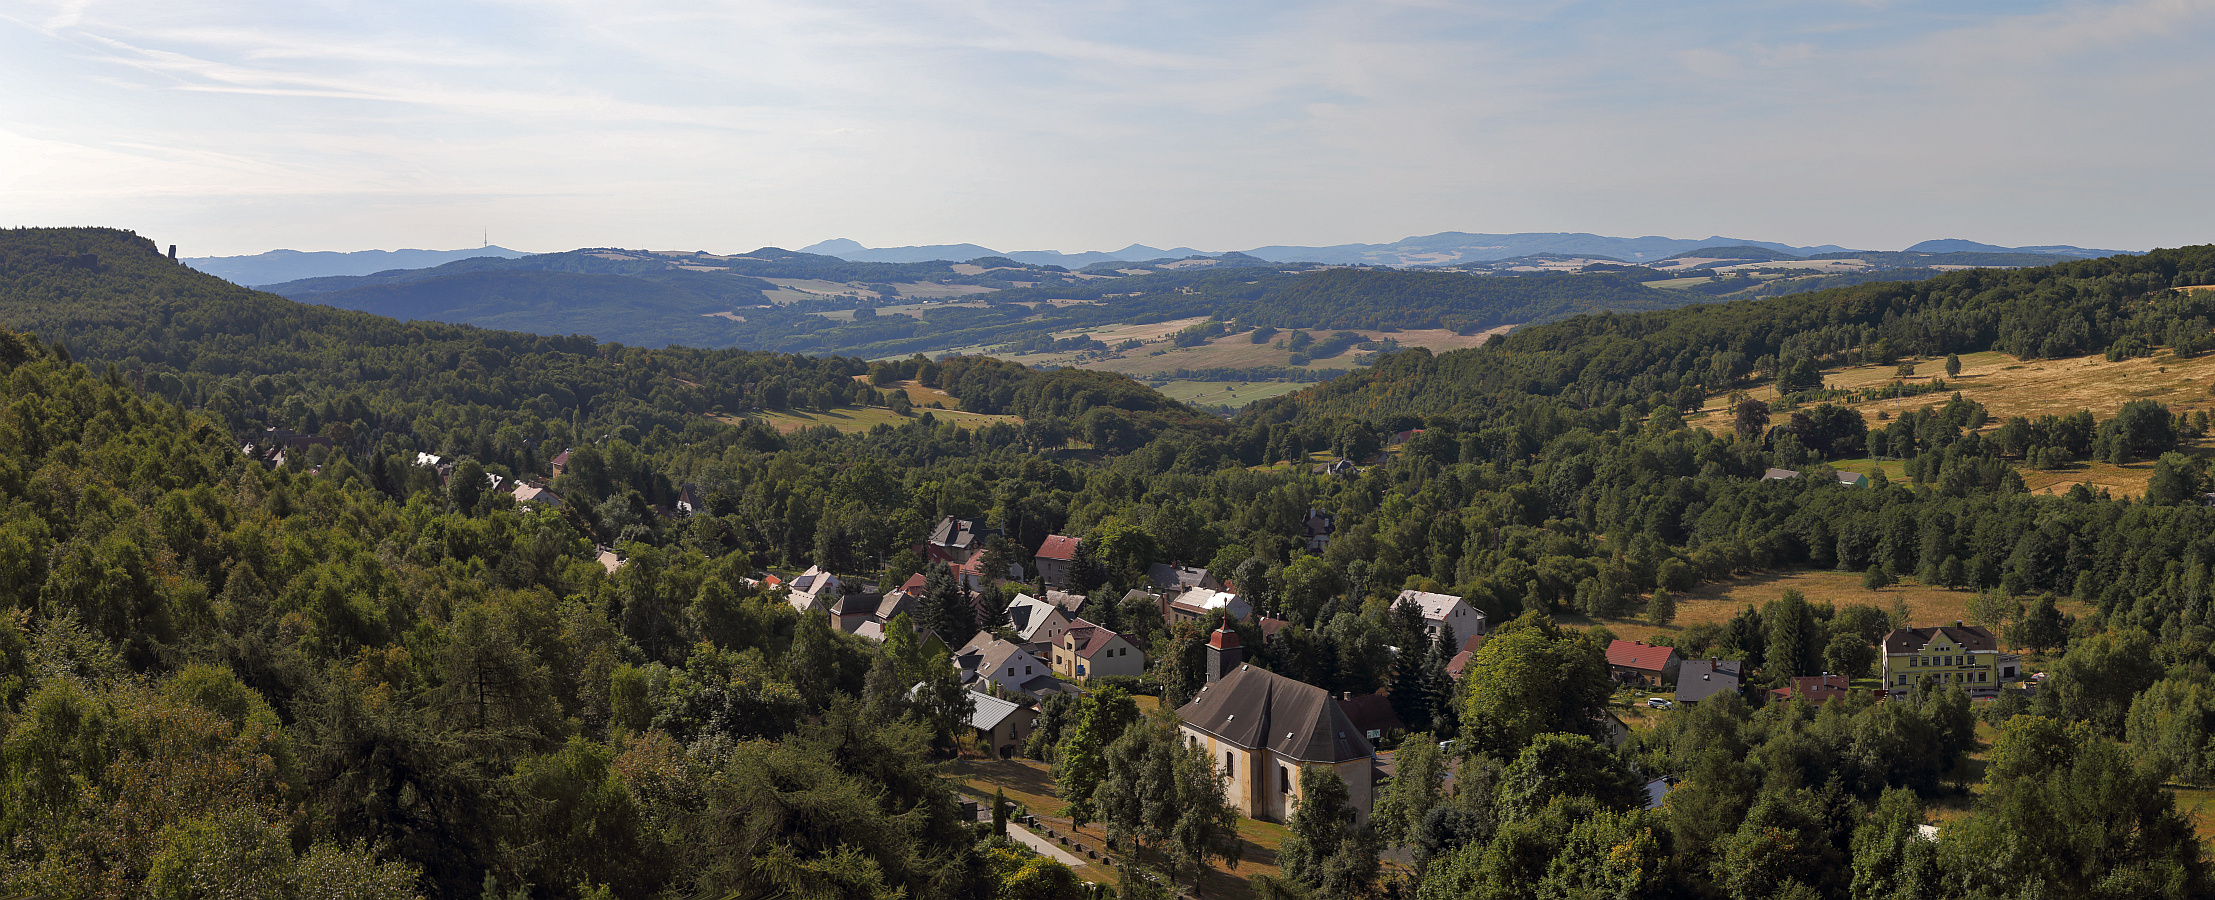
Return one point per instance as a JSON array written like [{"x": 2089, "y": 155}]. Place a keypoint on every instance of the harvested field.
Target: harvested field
[
  {"x": 2011, "y": 387},
  {"x": 1717, "y": 603}
]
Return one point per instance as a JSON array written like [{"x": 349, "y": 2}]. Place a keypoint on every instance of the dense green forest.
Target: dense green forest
[{"x": 340, "y": 675}]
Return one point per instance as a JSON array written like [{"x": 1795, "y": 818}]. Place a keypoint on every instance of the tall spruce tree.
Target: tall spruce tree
[{"x": 945, "y": 608}]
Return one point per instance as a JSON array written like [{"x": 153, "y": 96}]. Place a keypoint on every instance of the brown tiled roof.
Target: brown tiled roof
[
  {"x": 1254, "y": 708},
  {"x": 1059, "y": 546},
  {"x": 1460, "y": 663},
  {"x": 1969, "y": 637},
  {"x": 1087, "y": 637},
  {"x": 1816, "y": 688},
  {"x": 1634, "y": 655}
]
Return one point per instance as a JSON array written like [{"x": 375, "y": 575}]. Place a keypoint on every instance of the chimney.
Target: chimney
[
  {"x": 1957, "y": 623},
  {"x": 1223, "y": 652}
]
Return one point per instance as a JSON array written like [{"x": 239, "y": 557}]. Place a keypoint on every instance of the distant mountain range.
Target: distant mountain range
[
  {"x": 278, "y": 266},
  {"x": 1957, "y": 245},
  {"x": 1451, "y": 248},
  {"x": 1442, "y": 249},
  {"x": 853, "y": 251}
]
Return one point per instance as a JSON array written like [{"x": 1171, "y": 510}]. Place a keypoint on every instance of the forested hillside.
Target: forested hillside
[
  {"x": 655, "y": 299},
  {"x": 342, "y": 672},
  {"x": 511, "y": 400},
  {"x": 2121, "y": 304}
]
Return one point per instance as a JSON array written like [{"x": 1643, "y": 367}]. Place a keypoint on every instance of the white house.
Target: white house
[
  {"x": 812, "y": 587},
  {"x": 1036, "y": 621},
  {"x": 1014, "y": 669},
  {"x": 1202, "y": 603},
  {"x": 1444, "y": 609}
]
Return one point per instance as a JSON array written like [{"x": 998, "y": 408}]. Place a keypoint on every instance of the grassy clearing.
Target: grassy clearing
[
  {"x": 1227, "y": 393},
  {"x": 855, "y": 420},
  {"x": 1717, "y": 603},
  {"x": 2199, "y": 803},
  {"x": 2011, "y": 387},
  {"x": 1031, "y": 783},
  {"x": 1893, "y": 469}
]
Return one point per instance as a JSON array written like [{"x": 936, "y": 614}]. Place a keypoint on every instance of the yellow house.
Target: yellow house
[
  {"x": 1085, "y": 651},
  {"x": 1966, "y": 655},
  {"x": 1262, "y": 729}
]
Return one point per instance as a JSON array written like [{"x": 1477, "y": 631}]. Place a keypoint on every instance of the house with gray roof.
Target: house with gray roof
[
  {"x": 956, "y": 540},
  {"x": 1001, "y": 725},
  {"x": 1036, "y": 621},
  {"x": 1699, "y": 679},
  {"x": 811, "y": 588},
  {"x": 1176, "y": 579},
  {"x": 1014, "y": 669}
]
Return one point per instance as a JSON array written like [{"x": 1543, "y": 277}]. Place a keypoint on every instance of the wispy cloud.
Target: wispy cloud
[{"x": 1098, "y": 122}]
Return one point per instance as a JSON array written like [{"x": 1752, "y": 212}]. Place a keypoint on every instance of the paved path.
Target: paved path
[{"x": 1039, "y": 843}]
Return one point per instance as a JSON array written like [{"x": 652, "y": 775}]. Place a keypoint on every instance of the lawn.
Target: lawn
[{"x": 1031, "y": 783}]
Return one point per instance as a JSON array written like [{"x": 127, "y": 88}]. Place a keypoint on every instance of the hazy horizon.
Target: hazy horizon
[{"x": 233, "y": 128}]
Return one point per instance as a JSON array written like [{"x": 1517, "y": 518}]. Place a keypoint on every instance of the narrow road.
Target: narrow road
[{"x": 1039, "y": 843}]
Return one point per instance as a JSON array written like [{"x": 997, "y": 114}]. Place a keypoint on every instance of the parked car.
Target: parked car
[{"x": 1660, "y": 703}]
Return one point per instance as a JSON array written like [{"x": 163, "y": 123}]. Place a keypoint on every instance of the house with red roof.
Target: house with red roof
[
  {"x": 1632, "y": 662},
  {"x": 1816, "y": 689},
  {"x": 1460, "y": 662},
  {"x": 1054, "y": 556}
]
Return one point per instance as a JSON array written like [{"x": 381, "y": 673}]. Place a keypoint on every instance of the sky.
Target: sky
[{"x": 238, "y": 127}]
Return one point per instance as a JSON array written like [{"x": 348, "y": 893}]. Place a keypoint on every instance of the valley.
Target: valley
[{"x": 495, "y": 571}]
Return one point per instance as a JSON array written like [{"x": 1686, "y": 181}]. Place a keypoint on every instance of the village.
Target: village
[{"x": 1262, "y": 729}]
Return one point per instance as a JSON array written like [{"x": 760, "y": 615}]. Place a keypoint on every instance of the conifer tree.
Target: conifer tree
[
  {"x": 945, "y": 608},
  {"x": 1662, "y": 609}
]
